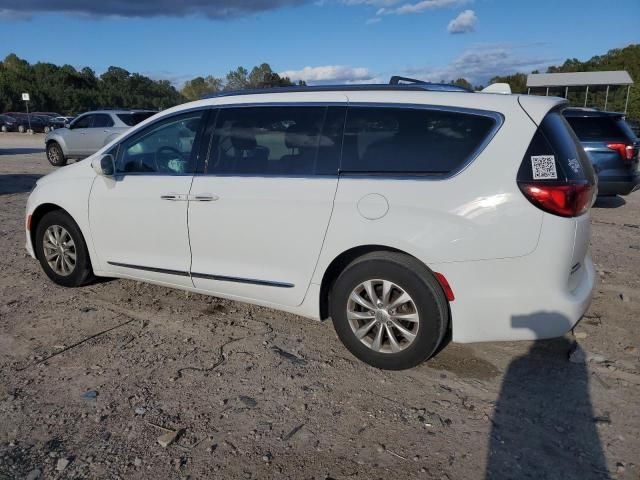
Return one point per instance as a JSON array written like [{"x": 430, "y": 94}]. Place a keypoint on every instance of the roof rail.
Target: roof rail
[{"x": 423, "y": 86}]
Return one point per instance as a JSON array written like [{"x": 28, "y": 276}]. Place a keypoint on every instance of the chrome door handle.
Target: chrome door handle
[
  {"x": 204, "y": 197},
  {"x": 174, "y": 197}
]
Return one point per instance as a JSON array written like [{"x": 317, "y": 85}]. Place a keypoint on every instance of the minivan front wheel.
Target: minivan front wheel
[
  {"x": 55, "y": 155},
  {"x": 389, "y": 310},
  {"x": 62, "y": 251}
]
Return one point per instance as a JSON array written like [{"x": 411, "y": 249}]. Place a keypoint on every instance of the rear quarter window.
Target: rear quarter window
[
  {"x": 556, "y": 142},
  {"x": 412, "y": 141}
]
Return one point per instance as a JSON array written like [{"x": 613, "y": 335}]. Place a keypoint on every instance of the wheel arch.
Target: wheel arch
[
  {"x": 37, "y": 216},
  {"x": 339, "y": 263},
  {"x": 60, "y": 141}
]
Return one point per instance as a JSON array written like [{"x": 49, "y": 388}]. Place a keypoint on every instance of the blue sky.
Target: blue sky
[{"x": 319, "y": 41}]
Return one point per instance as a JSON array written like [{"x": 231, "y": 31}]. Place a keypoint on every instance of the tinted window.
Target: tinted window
[
  {"x": 289, "y": 140},
  {"x": 102, "y": 120},
  {"x": 558, "y": 152},
  {"x": 134, "y": 118},
  {"x": 165, "y": 147},
  {"x": 597, "y": 128},
  {"x": 406, "y": 140},
  {"x": 83, "y": 122}
]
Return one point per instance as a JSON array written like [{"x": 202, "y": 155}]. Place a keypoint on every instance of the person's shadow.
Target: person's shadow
[{"x": 544, "y": 426}]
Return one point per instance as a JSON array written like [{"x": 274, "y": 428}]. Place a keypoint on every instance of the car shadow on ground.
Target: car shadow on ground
[
  {"x": 17, "y": 183},
  {"x": 544, "y": 425},
  {"x": 609, "y": 202},
  {"x": 20, "y": 151}
]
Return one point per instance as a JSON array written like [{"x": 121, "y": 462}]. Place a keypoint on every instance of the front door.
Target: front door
[
  {"x": 76, "y": 137},
  {"x": 139, "y": 217},
  {"x": 259, "y": 213}
]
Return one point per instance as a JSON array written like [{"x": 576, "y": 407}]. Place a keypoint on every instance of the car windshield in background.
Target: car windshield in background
[
  {"x": 594, "y": 128},
  {"x": 134, "y": 118}
]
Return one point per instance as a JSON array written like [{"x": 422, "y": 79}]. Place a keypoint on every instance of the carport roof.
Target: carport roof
[{"x": 575, "y": 79}]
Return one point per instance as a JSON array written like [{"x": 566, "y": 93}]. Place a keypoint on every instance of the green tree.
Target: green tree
[{"x": 201, "y": 86}]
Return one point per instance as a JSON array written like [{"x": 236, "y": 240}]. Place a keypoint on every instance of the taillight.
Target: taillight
[
  {"x": 625, "y": 151},
  {"x": 567, "y": 200}
]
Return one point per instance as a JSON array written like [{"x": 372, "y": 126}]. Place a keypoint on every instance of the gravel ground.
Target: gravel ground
[{"x": 90, "y": 378}]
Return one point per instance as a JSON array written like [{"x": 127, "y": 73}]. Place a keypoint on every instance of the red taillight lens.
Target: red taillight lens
[
  {"x": 564, "y": 200},
  {"x": 625, "y": 151}
]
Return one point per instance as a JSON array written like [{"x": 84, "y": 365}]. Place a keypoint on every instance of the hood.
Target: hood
[{"x": 81, "y": 169}]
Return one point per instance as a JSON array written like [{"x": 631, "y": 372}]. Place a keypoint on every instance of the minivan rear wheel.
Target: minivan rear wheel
[
  {"x": 62, "y": 251},
  {"x": 389, "y": 310},
  {"x": 55, "y": 155}
]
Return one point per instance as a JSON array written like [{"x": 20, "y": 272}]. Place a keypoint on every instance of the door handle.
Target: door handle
[
  {"x": 203, "y": 197},
  {"x": 174, "y": 197}
]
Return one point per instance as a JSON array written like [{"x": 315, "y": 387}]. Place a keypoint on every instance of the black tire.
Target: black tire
[
  {"x": 417, "y": 281},
  {"x": 82, "y": 273},
  {"x": 55, "y": 155}
]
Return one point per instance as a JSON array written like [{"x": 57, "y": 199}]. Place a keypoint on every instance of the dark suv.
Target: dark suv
[{"x": 612, "y": 147}]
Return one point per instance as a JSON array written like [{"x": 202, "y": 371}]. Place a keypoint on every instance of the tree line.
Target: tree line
[{"x": 67, "y": 90}]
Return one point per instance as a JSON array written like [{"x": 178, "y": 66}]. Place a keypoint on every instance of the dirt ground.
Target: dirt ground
[{"x": 256, "y": 393}]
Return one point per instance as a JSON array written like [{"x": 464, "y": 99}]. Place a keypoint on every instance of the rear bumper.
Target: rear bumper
[
  {"x": 618, "y": 185},
  {"x": 526, "y": 298}
]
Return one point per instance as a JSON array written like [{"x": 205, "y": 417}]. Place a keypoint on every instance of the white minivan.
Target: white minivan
[{"x": 408, "y": 214}]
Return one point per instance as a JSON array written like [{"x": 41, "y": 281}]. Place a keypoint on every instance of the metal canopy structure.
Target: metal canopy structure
[{"x": 581, "y": 79}]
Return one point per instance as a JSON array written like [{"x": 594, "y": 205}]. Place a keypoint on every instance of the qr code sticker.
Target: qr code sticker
[{"x": 544, "y": 167}]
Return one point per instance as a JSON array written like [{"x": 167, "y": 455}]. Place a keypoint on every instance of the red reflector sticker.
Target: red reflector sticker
[{"x": 448, "y": 291}]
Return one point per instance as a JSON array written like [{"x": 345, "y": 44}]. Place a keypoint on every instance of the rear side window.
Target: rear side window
[
  {"x": 390, "y": 140},
  {"x": 134, "y": 118},
  {"x": 555, "y": 154},
  {"x": 284, "y": 140}
]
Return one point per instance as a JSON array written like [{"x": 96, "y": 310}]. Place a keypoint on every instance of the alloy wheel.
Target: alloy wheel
[
  {"x": 383, "y": 316},
  {"x": 59, "y": 250}
]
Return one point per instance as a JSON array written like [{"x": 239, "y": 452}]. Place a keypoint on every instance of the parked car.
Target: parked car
[
  {"x": 408, "y": 214},
  {"x": 64, "y": 120},
  {"x": 612, "y": 147},
  {"x": 51, "y": 123},
  {"x": 47, "y": 114},
  {"x": 8, "y": 123},
  {"x": 89, "y": 132}
]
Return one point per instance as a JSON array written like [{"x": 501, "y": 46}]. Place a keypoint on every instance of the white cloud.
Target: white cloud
[
  {"x": 327, "y": 73},
  {"x": 463, "y": 23},
  {"x": 481, "y": 62},
  {"x": 419, "y": 7}
]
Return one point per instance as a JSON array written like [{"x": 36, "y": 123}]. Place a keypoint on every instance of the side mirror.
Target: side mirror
[{"x": 104, "y": 165}]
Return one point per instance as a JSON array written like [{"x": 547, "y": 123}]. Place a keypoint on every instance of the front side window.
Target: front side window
[
  {"x": 285, "y": 140},
  {"x": 381, "y": 140},
  {"x": 166, "y": 147},
  {"x": 83, "y": 122},
  {"x": 102, "y": 120}
]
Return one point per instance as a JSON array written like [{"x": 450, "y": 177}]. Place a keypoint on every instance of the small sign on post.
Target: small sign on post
[{"x": 25, "y": 97}]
